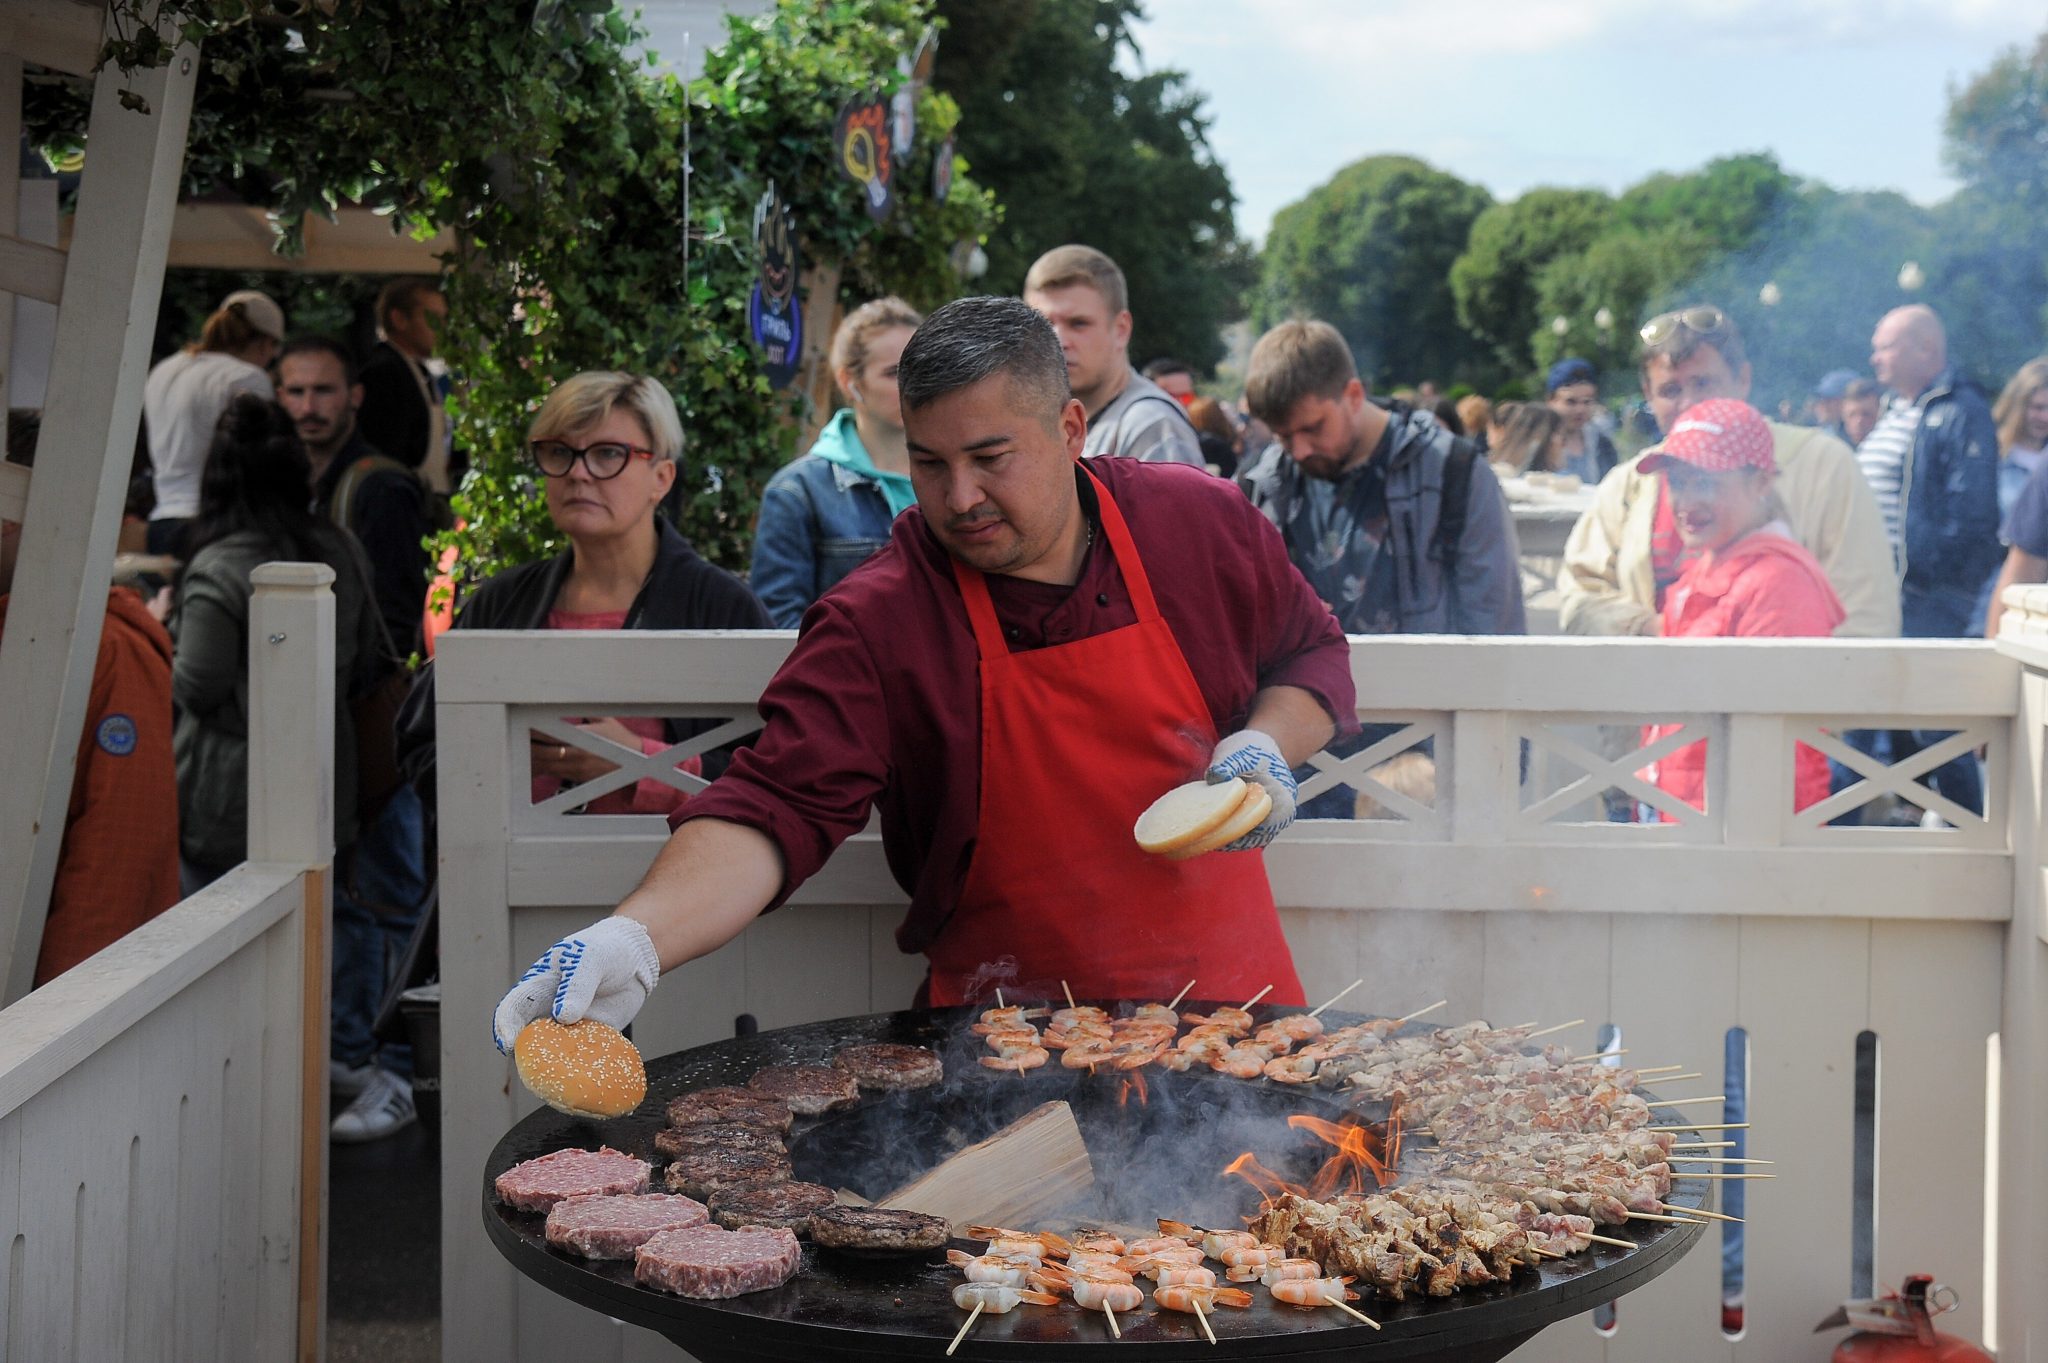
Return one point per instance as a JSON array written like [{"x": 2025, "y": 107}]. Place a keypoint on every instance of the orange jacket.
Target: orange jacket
[{"x": 118, "y": 866}]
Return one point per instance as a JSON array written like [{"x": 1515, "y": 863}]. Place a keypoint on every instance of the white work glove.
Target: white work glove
[
  {"x": 604, "y": 971},
  {"x": 1254, "y": 756}
]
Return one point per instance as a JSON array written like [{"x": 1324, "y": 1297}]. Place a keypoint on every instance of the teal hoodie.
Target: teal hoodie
[{"x": 839, "y": 443}]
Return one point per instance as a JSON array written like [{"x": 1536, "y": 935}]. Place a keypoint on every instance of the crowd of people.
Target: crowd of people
[{"x": 1901, "y": 509}]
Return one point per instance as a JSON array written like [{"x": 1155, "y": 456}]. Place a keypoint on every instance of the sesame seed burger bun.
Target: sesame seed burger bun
[
  {"x": 585, "y": 1069},
  {"x": 1249, "y": 814},
  {"x": 1187, "y": 814}
]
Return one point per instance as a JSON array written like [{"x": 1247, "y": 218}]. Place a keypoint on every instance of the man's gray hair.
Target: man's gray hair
[{"x": 969, "y": 339}]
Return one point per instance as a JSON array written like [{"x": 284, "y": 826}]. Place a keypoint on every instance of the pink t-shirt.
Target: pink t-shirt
[{"x": 642, "y": 797}]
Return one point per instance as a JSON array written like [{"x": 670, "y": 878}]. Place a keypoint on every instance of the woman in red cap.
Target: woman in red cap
[{"x": 1742, "y": 574}]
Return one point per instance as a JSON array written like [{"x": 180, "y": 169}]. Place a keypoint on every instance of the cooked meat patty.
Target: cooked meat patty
[
  {"x": 677, "y": 1142},
  {"x": 883, "y": 1065},
  {"x": 613, "y": 1227},
  {"x": 710, "y": 1261},
  {"x": 540, "y": 1183},
  {"x": 701, "y": 1172},
  {"x": 729, "y": 1104},
  {"x": 788, "y": 1205},
  {"x": 878, "y": 1228},
  {"x": 807, "y": 1089}
]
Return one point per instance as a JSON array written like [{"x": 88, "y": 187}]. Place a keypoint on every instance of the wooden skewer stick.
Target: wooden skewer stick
[
  {"x": 1175, "y": 1004},
  {"x": 1256, "y": 997},
  {"x": 1338, "y": 995},
  {"x": 1110, "y": 1311},
  {"x": 1348, "y": 1309},
  {"x": 1715, "y": 1159},
  {"x": 1699, "y": 1211},
  {"x": 1440, "y": 1003},
  {"x": 1524, "y": 1026},
  {"x": 1672, "y": 1079},
  {"x": 1611, "y": 1240},
  {"x": 1684, "y": 1102},
  {"x": 1602, "y": 1055},
  {"x": 1678, "y": 1174},
  {"x": 1676, "y": 1220},
  {"x": 1203, "y": 1316},
  {"x": 1656, "y": 1069},
  {"x": 1703, "y": 1126},
  {"x": 967, "y": 1325},
  {"x": 1575, "y": 1022},
  {"x": 1068, "y": 992},
  {"x": 999, "y": 997},
  {"x": 1697, "y": 1145}
]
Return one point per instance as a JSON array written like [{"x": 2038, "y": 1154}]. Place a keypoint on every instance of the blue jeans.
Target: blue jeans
[
  {"x": 389, "y": 872},
  {"x": 1927, "y": 614}
]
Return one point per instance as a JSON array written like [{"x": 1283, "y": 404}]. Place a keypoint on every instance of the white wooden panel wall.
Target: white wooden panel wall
[{"x": 1805, "y": 940}]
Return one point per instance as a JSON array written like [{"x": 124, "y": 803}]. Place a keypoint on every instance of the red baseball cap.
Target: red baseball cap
[{"x": 1717, "y": 435}]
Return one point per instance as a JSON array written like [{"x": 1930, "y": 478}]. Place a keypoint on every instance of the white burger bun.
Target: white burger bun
[
  {"x": 1186, "y": 814},
  {"x": 1249, "y": 814},
  {"x": 585, "y": 1069}
]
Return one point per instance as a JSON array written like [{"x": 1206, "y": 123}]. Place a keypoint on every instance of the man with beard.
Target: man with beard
[
  {"x": 1399, "y": 526},
  {"x": 378, "y": 500}
]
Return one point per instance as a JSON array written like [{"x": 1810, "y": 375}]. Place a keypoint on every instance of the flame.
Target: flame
[
  {"x": 1362, "y": 1153},
  {"x": 1134, "y": 1082}
]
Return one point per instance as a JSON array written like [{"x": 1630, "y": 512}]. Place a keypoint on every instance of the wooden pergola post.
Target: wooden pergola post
[{"x": 106, "y": 287}]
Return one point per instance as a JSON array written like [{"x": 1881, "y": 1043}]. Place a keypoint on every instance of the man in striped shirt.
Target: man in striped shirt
[{"x": 1932, "y": 461}]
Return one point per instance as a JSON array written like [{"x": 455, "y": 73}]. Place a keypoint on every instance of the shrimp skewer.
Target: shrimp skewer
[
  {"x": 1201, "y": 1300},
  {"x": 1276, "y": 1272},
  {"x": 1320, "y": 1292},
  {"x": 993, "y": 1297},
  {"x": 1097, "y": 1242},
  {"x": 1008, "y": 1270},
  {"x": 1254, "y": 1255},
  {"x": 1183, "y": 1275},
  {"x": 1214, "y": 1242},
  {"x": 1028, "y": 1059}
]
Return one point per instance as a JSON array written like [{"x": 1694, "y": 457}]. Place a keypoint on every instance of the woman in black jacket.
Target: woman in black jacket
[{"x": 606, "y": 443}]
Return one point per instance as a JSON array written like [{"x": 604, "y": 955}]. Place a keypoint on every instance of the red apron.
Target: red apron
[{"x": 1076, "y": 741}]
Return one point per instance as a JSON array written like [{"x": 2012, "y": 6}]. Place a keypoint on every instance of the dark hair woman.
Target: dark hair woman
[{"x": 255, "y": 500}]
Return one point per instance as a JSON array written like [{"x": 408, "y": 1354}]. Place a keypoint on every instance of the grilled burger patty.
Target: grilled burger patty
[
  {"x": 787, "y": 1205},
  {"x": 705, "y": 1170},
  {"x": 883, "y": 1065},
  {"x": 878, "y": 1228},
  {"x": 675, "y": 1143},
  {"x": 729, "y": 1104},
  {"x": 805, "y": 1089}
]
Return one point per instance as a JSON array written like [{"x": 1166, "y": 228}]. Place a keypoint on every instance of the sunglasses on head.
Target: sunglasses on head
[{"x": 1705, "y": 319}]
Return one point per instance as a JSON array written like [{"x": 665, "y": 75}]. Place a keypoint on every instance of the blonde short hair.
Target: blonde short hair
[
  {"x": 582, "y": 403},
  {"x": 1064, "y": 266},
  {"x": 856, "y": 335}
]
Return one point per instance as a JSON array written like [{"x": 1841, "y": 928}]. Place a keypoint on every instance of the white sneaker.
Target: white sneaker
[
  {"x": 383, "y": 1108},
  {"x": 345, "y": 1080}
]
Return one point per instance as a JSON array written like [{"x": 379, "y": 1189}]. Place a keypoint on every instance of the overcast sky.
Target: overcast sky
[{"x": 1517, "y": 93}]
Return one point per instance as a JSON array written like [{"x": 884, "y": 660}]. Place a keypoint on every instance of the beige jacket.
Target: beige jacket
[{"x": 1607, "y": 584}]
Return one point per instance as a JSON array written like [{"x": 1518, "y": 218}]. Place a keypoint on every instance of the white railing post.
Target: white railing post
[{"x": 291, "y": 820}]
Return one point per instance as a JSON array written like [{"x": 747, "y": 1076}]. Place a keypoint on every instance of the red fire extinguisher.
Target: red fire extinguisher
[{"x": 1899, "y": 1327}]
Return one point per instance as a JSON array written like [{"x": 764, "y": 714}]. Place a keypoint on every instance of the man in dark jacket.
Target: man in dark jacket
[
  {"x": 1932, "y": 460},
  {"x": 1399, "y": 526},
  {"x": 402, "y": 408}
]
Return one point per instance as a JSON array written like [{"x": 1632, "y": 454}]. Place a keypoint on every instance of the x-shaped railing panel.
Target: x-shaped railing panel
[
  {"x": 1355, "y": 770},
  {"x": 633, "y": 766},
  {"x": 1620, "y": 773}
]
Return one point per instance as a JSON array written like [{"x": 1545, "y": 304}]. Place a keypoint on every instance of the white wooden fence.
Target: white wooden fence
[
  {"x": 1494, "y": 890},
  {"x": 163, "y": 1133}
]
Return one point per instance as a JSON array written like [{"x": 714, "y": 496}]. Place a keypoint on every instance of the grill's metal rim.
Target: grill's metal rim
[{"x": 739, "y": 1327}]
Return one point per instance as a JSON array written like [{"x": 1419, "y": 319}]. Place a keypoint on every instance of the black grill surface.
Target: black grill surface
[{"x": 1161, "y": 1157}]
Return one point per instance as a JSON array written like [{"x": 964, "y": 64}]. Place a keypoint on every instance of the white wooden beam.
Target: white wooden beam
[
  {"x": 10, "y": 223},
  {"x": 62, "y": 34},
  {"x": 31, "y": 269},
  {"x": 14, "y": 481},
  {"x": 113, "y": 281}
]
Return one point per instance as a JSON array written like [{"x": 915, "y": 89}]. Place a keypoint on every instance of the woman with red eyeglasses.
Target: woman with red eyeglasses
[{"x": 605, "y": 444}]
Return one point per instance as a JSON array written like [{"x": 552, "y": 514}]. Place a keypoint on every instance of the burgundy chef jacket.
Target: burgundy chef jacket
[{"x": 879, "y": 703}]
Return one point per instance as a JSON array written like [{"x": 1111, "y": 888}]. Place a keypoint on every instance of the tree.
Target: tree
[
  {"x": 1993, "y": 266},
  {"x": 1370, "y": 252},
  {"x": 1997, "y": 127},
  {"x": 1080, "y": 151},
  {"x": 1494, "y": 280},
  {"x": 559, "y": 161}
]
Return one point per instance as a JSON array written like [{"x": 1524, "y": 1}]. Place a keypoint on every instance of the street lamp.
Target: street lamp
[
  {"x": 1604, "y": 319},
  {"x": 1911, "y": 276},
  {"x": 1770, "y": 295},
  {"x": 1560, "y": 326}
]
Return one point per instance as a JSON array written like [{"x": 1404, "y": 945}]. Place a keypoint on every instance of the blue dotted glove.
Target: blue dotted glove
[
  {"x": 1254, "y": 756},
  {"x": 605, "y": 971}
]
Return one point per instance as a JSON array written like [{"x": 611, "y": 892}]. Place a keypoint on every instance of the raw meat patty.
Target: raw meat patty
[
  {"x": 613, "y": 1227},
  {"x": 878, "y": 1228},
  {"x": 731, "y": 1104},
  {"x": 676, "y": 1143},
  {"x": 883, "y": 1065},
  {"x": 807, "y": 1089},
  {"x": 702, "y": 1172},
  {"x": 788, "y": 1205},
  {"x": 710, "y": 1261},
  {"x": 540, "y": 1183}
]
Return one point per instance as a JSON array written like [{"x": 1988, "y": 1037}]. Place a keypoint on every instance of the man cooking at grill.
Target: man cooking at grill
[{"x": 1041, "y": 651}]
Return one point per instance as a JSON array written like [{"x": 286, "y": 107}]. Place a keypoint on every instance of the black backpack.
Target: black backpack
[{"x": 1456, "y": 502}]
